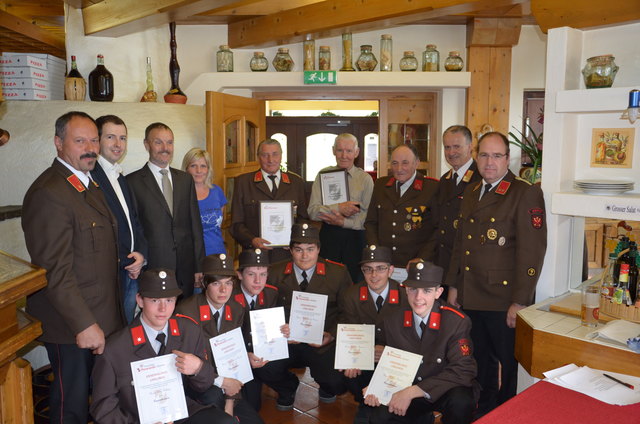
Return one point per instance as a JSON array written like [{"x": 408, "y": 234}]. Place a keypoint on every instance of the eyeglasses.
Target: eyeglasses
[
  {"x": 494, "y": 156},
  {"x": 379, "y": 269}
]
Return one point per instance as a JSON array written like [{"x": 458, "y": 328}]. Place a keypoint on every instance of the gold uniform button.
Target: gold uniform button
[
  {"x": 466, "y": 268},
  {"x": 395, "y": 211},
  {"x": 393, "y": 223},
  {"x": 393, "y": 236},
  {"x": 471, "y": 220},
  {"x": 505, "y": 282},
  {"x": 469, "y": 236},
  {"x": 93, "y": 224},
  {"x": 467, "y": 252},
  {"x": 492, "y": 220},
  {"x": 441, "y": 231}
]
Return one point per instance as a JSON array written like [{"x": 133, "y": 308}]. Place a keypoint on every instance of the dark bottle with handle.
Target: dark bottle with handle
[{"x": 101, "y": 83}]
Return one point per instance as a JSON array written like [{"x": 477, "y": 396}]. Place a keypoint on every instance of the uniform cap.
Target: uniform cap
[
  {"x": 253, "y": 257},
  {"x": 220, "y": 264},
  {"x": 375, "y": 253},
  {"x": 158, "y": 283},
  {"x": 423, "y": 275},
  {"x": 305, "y": 233}
]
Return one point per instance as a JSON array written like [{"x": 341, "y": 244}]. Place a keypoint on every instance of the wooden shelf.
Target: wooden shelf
[
  {"x": 595, "y": 100},
  {"x": 623, "y": 207}
]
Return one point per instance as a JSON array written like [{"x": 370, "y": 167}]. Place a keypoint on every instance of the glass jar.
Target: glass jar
[
  {"x": 283, "y": 62},
  {"x": 409, "y": 62},
  {"x": 309, "y": 53},
  {"x": 324, "y": 58},
  {"x": 386, "y": 53},
  {"x": 600, "y": 71},
  {"x": 431, "y": 59},
  {"x": 258, "y": 62},
  {"x": 347, "y": 53},
  {"x": 224, "y": 59},
  {"x": 367, "y": 60},
  {"x": 454, "y": 62}
]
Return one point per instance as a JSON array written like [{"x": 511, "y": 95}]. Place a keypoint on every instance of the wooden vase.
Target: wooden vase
[{"x": 174, "y": 95}]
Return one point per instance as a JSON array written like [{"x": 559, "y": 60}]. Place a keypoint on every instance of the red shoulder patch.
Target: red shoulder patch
[
  {"x": 205, "y": 313},
  {"x": 364, "y": 293},
  {"x": 271, "y": 287},
  {"x": 227, "y": 313},
  {"x": 76, "y": 183},
  {"x": 241, "y": 299},
  {"x": 257, "y": 177},
  {"x": 537, "y": 217},
  {"x": 408, "y": 319},
  {"x": 503, "y": 187},
  {"x": 137, "y": 335},
  {"x": 391, "y": 182},
  {"x": 334, "y": 262},
  {"x": 417, "y": 184},
  {"x": 173, "y": 327},
  {"x": 434, "y": 320},
  {"x": 460, "y": 314},
  {"x": 465, "y": 347},
  {"x": 289, "y": 268},
  {"x": 393, "y": 296},
  {"x": 187, "y": 317},
  {"x": 261, "y": 298},
  {"x": 285, "y": 178},
  {"x": 321, "y": 269},
  {"x": 432, "y": 179}
]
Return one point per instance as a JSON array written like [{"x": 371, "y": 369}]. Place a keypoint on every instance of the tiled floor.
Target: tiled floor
[{"x": 307, "y": 409}]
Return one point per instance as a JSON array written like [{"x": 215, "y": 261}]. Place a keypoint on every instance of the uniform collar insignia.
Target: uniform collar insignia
[
  {"x": 205, "y": 313},
  {"x": 241, "y": 299},
  {"x": 391, "y": 182},
  {"x": 408, "y": 319},
  {"x": 320, "y": 269},
  {"x": 364, "y": 293},
  {"x": 261, "y": 298},
  {"x": 393, "y": 296},
  {"x": 467, "y": 175},
  {"x": 434, "y": 320},
  {"x": 257, "y": 177},
  {"x": 477, "y": 185},
  {"x": 449, "y": 174},
  {"x": 417, "y": 184},
  {"x": 76, "y": 183},
  {"x": 173, "y": 327},
  {"x": 285, "y": 178},
  {"x": 137, "y": 335},
  {"x": 289, "y": 268},
  {"x": 227, "y": 313},
  {"x": 503, "y": 187}
]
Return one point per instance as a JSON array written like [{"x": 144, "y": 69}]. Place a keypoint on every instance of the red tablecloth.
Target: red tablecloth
[{"x": 546, "y": 403}]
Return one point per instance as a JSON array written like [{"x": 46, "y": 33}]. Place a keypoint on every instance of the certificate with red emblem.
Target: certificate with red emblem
[
  {"x": 159, "y": 392},
  {"x": 395, "y": 371},
  {"x": 306, "y": 321},
  {"x": 268, "y": 342},
  {"x": 355, "y": 346},
  {"x": 230, "y": 355}
]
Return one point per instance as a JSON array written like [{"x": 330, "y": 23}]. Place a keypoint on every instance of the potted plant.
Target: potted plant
[{"x": 531, "y": 145}]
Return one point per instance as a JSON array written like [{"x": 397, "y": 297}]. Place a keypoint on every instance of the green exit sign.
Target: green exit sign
[{"x": 320, "y": 77}]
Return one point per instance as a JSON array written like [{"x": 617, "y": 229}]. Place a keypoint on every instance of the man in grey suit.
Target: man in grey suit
[
  {"x": 168, "y": 210},
  {"x": 70, "y": 231}
]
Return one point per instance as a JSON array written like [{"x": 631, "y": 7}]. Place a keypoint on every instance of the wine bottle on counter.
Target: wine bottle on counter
[
  {"x": 75, "y": 87},
  {"x": 101, "y": 83},
  {"x": 150, "y": 94}
]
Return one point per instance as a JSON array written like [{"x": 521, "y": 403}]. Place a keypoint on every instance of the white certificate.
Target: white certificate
[
  {"x": 268, "y": 341},
  {"x": 355, "y": 346},
  {"x": 395, "y": 371},
  {"x": 306, "y": 321},
  {"x": 334, "y": 186},
  {"x": 276, "y": 219},
  {"x": 230, "y": 355},
  {"x": 159, "y": 392}
]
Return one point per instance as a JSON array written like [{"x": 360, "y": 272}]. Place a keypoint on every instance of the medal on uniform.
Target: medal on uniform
[
  {"x": 492, "y": 233},
  {"x": 482, "y": 239},
  {"x": 502, "y": 241},
  {"x": 407, "y": 226},
  {"x": 455, "y": 224}
]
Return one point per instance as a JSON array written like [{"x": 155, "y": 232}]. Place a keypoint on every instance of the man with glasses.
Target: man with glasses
[
  {"x": 308, "y": 273},
  {"x": 496, "y": 261},
  {"x": 371, "y": 302}
]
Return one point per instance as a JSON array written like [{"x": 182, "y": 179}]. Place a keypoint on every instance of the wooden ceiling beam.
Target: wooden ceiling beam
[
  {"x": 258, "y": 7},
  {"x": 583, "y": 13},
  {"x": 333, "y": 17},
  {"x": 31, "y": 31}
]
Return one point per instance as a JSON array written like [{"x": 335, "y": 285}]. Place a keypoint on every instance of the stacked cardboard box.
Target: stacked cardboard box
[{"x": 32, "y": 76}]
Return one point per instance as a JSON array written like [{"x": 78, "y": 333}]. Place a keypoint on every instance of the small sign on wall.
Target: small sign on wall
[{"x": 612, "y": 147}]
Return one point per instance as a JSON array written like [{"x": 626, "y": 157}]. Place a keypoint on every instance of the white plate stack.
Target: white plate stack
[{"x": 603, "y": 187}]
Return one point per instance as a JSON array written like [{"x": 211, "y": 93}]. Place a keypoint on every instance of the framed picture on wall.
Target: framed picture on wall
[{"x": 612, "y": 147}]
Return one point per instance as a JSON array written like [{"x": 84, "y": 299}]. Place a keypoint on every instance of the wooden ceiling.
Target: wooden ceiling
[{"x": 38, "y": 26}]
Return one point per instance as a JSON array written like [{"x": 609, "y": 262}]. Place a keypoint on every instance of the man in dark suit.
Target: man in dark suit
[
  {"x": 70, "y": 231},
  {"x": 496, "y": 261},
  {"x": 132, "y": 245},
  {"x": 268, "y": 183},
  {"x": 457, "y": 143},
  {"x": 399, "y": 215},
  {"x": 168, "y": 210}
]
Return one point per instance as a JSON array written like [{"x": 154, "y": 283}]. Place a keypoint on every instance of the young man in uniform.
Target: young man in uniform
[
  {"x": 155, "y": 331},
  {"x": 440, "y": 333}
]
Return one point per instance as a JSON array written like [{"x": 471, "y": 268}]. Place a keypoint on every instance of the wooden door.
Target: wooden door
[{"x": 235, "y": 126}]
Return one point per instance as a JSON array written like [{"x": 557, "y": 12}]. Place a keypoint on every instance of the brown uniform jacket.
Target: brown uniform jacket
[
  {"x": 329, "y": 278},
  {"x": 500, "y": 245},
  {"x": 70, "y": 231},
  {"x": 358, "y": 307},
  {"x": 446, "y": 348},
  {"x": 114, "y": 399},
  {"x": 445, "y": 208},
  {"x": 249, "y": 190},
  {"x": 403, "y": 224},
  {"x": 267, "y": 298}
]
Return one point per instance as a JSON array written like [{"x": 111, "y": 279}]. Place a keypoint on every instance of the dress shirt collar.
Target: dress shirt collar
[
  {"x": 248, "y": 296},
  {"x": 111, "y": 169},
  {"x": 417, "y": 319},
  {"x": 298, "y": 272},
  {"x": 265, "y": 174},
  {"x": 405, "y": 186},
  {"x": 462, "y": 170},
  {"x": 495, "y": 183},
  {"x": 152, "y": 333},
  {"x": 384, "y": 293},
  {"x": 85, "y": 178},
  {"x": 156, "y": 169}
]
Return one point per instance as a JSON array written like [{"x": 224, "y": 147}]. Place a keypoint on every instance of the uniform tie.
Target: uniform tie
[
  {"x": 216, "y": 317},
  {"x": 455, "y": 178},
  {"x": 274, "y": 187},
  {"x": 161, "y": 338},
  {"x": 304, "y": 283},
  {"x": 423, "y": 327},
  {"x": 398, "y": 188},
  {"x": 252, "y": 305},
  {"x": 487, "y": 189},
  {"x": 167, "y": 190},
  {"x": 379, "y": 302}
]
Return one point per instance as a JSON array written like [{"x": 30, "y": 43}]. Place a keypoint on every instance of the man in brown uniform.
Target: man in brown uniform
[
  {"x": 497, "y": 257},
  {"x": 371, "y": 302},
  {"x": 457, "y": 143},
  {"x": 310, "y": 273},
  {"x": 430, "y": 327},
  {"x": 268, "y": 183},
  {"x": 70, "y": 231},
  {"x": 399, "y": 216}
]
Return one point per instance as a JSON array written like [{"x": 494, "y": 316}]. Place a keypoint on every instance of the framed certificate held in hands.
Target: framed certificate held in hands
[
  {"x": 276, "y": 219},
  {"x": 334, "y": 186}
]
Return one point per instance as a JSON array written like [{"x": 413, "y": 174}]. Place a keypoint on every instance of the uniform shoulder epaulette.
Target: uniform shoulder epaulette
[
  {"x": 76, "y": 183},
  {"x": 285, "y": 178},
  {"x": 523, "y": 180},
  {"x": 431, "y": 178},
  {"x": 334, "y": 262},
  {"x": 271, "y": 287},
  {"x": 187, "y": 317},
  {"x": 455, "y": 311}
]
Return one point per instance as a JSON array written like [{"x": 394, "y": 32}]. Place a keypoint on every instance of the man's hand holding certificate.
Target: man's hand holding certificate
[
  {"x": 307, "y": 316},
  {"x": 395, "y": 371},
  {"x": 355, "y": 347}
]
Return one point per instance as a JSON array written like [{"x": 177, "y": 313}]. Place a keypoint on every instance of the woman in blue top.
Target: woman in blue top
[{"x": 211, "y": 199}]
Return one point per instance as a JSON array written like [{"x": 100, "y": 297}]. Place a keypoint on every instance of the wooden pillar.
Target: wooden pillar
[{"x": 489, "y": 43}]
